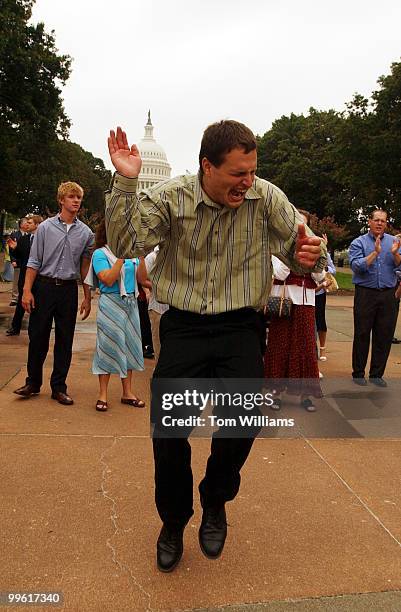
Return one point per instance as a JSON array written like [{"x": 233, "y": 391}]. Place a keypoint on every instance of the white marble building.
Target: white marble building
[{"x": 155, "y": 167}]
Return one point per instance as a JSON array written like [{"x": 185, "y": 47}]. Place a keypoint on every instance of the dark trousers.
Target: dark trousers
[
  {"x": 146, "y": 329},
  {"x": 58, "y": 303},
  {"x": 19, "y": 312},
  {"x": 227, "y": 345},
  {"x": 320, "y": 312},
  {"x": 374, "y": 314}
]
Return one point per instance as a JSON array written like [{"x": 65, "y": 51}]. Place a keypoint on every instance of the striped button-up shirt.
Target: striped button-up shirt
[{"x": 212, "y": 258}]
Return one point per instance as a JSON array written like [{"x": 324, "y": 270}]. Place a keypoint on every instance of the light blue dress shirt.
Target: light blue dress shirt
[
  {"x": 381, "y": 274},
  {"x": 56, "y": 252}
]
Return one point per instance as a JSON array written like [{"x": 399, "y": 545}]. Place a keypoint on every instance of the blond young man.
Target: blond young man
[{"x": 60, "y": 253}]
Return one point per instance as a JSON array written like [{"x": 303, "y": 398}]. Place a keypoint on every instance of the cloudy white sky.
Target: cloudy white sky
[{"x": 193, "y": 62}]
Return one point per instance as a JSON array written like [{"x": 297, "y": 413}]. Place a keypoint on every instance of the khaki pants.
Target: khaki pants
[{"x": 14, "y": 294}]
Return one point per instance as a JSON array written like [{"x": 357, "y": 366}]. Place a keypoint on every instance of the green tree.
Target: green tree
[
  {"x": 369, "y": 149},
  {"x": 298, "y": 155},
  {"x": 35, "y": 155},
  {"x": 338, "y": 235},
  {"x": 341, "y": 165},
  {"x": 72, "y": 162},
  {"x": 31, "y": 108}
]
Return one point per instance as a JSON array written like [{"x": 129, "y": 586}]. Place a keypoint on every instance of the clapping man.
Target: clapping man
[{"x": 374, "y": 258}]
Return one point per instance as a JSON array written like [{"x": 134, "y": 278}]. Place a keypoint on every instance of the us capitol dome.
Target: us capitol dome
[{"x": 155, "y": 167}]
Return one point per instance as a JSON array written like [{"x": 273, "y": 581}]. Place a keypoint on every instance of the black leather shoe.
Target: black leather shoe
[
  {"x": 395, "y": 341},
  {"x": 27, "y": 391},
  {"x": 362, "y": 382},
  {"x": 379, "y": 382},
  {"x": 62, "y": 398},
  {"x": 169, "y": 548},
  {"x": 12, "y": 332},
  {"x": 213, "y": 532}
]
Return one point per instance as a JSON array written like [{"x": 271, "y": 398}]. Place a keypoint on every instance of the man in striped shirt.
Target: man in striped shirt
[{"x": 217, "y": 231}]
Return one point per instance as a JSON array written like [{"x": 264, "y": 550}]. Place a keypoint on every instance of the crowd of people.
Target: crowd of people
[{"x": 207, "y": 250}]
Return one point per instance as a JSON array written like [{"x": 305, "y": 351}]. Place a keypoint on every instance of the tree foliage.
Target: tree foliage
[
  {"x": 298, "y": 154},
  {"x": 30, "y": 70},
  {"x": 35, "y": 154},
  {"x": 72, "y": 162},
  {"x": 341, "y": 165},
  {"x": 338, "y": 235}
]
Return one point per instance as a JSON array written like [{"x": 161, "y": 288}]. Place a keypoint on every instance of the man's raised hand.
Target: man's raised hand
[
  {"x": 307, "y": 248},
  {"x": 395, "y": 247},
  {"x": 126, "y": 160}
]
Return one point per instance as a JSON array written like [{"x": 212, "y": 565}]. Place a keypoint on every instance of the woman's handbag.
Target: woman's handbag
[
  {"x": 278, "y": 306},
  {"x": 332, "y": 284}
]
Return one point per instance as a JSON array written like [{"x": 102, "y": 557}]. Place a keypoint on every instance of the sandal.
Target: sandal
[
  {"x": 276, "y": 405},
  {"x": 308, "y": 405},
  {"x": 101, "y": 406},
  {"x": 136, "y": 402}
]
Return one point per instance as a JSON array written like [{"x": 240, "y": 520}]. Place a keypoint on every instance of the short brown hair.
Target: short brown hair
[
  {"x": 100, "y": 235},
  {"x": 68, "y": 187},
  {"x": 372, "y": 212},
  {"x": 222, "y": 137},
  {"x": 36, "y": 218}
]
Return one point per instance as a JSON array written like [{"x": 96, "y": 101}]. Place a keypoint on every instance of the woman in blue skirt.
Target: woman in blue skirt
[{"x": 118, "y": 340}]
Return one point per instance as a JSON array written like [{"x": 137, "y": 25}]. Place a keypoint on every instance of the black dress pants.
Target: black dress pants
[
  {"x": 16, "y": 323},
  {"x": 146, "y": 329},
  {"x": 58, "y": 303},
  {"x": 19, "y": 312},
  {"x": 375, "y": 313},
  {"x": 227, "y": 345}
]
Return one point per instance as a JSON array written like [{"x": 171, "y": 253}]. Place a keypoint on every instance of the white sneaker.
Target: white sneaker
[{"x": 321, "y": 375}]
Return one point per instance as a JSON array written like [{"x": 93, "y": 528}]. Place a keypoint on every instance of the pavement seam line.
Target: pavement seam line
[
  {"x": 12, "y": 376},
  {"x": 364, "y": 504},
  {"x": 301, "y": 600},
  {"x": 113, "y": 518}
]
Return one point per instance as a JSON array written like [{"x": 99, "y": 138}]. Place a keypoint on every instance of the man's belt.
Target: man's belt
[
  {"x": 376, "y": 288},
  {"x": 56, "y": 281}
]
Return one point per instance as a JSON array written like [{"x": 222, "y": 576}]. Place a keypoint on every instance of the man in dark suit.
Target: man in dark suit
[
  {"x": 21, "y": 250},
  {"x": 16, "y": 264}
]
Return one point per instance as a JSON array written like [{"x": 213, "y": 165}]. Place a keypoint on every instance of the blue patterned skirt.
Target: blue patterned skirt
[{"x": 118, "y": 340}]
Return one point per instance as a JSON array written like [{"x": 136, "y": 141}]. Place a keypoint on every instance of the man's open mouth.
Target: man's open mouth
[{"x": 237, "y": 194}]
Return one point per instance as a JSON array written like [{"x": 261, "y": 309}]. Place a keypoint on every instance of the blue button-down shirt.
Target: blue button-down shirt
[
  {"x": 56, "y": 252},
  {"x": 381, "y": 273}
]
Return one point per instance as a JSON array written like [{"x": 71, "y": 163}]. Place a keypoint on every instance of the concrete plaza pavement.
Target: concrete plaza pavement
[{"x": 316, "y": 525}]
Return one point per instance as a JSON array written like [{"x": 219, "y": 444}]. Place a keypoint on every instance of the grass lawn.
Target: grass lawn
[{"x": 344, "y": 280}]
